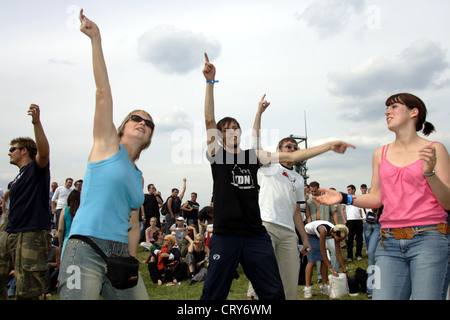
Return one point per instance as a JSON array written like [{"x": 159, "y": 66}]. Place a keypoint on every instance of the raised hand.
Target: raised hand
[
  {"x": 34, "y": 112},
  {"x": 88, "y": 27},
  {"x": 428, "y": 156},
  {"x": 209, "y": 71},
  {"x": 263, "y": 104}
]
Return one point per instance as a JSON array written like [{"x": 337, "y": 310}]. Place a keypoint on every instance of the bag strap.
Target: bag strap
[{"x": 90, "y": 242}]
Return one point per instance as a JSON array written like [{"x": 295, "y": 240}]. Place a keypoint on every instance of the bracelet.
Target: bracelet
[
  {"x": 347, "y": 198},
  {"x": 429, "y": 174},
  {"x": 212, "y": 81}
]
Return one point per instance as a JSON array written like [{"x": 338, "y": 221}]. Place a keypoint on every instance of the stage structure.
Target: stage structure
[{"x": 302, "y": 142}]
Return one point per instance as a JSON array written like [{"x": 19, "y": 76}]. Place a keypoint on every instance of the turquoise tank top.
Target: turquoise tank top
[{"x": 111, "y": 189}]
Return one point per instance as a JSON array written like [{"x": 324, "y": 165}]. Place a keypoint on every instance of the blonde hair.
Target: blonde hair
[
  {"x": 340, "y": 230},
  {"x": 124, "y": 122},
  {"x": 171, "y": 239}
]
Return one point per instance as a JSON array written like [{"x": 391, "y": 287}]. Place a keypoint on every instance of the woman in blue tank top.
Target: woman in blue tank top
[{"x": 111, "y": 196}]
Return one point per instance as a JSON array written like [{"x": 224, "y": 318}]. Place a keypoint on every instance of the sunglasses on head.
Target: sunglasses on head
[{"x": 136, "y": 118}]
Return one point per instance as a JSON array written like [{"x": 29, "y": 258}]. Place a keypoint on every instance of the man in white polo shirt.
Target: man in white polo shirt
[{"x": 355, "y": 226}]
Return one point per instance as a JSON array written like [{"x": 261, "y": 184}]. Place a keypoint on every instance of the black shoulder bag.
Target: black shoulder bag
[{"x": 123, "y": 272}]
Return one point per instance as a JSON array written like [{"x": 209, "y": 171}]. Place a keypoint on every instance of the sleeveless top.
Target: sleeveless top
[
  {"x": 406, "y": 195},
  {"x": 111, "y": 189}
]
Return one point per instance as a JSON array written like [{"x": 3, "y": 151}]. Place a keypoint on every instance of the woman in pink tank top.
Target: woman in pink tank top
[{"x": 411, "y": 179}]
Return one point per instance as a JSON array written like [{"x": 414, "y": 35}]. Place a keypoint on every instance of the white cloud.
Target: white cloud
[
  {"x": 176, "y": 51},
  {"x": 330, "y": 17},
  {"x": 359, "y": 91}
]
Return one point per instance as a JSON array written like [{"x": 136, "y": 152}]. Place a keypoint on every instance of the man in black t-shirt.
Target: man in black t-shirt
[
  {"x": 151, "y": 206},
  {"x": 190, "y": 210},
  {"x": 239, "y": 236},
  {"x": 26, "y": 239}
]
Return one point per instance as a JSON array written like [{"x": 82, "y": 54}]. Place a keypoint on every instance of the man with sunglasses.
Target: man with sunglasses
[{"x": 25, "y": 242}]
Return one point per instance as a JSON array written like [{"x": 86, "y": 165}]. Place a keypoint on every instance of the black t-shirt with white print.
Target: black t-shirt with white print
[{"x": 235, "y": 192}]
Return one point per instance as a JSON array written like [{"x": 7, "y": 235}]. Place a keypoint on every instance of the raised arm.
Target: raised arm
[
  {"x": 209, "y": 71},
  {"x": 106, "y": 140},
  {"x": 256, "y": 133},
  {"x": 304, "y": 154},
  {"x": 435, "y": 159},
  {"x": 183, "y": 190},
  {"x": 43, "y": 148}
]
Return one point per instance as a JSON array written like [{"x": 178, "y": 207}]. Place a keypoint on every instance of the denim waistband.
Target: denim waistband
[{"x": 110, "y": 247}]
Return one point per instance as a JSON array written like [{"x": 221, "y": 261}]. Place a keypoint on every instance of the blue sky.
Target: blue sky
[{"x": 333, "y": 62}]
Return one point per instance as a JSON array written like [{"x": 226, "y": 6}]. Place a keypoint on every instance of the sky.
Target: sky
[{"x": 326, "y": 66}]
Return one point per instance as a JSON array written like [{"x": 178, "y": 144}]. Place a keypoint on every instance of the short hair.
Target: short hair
[
  {"x": 314, "y": 184},
  {"x": 351, "y": 186},
  {"x": 26, "y": 143},
  {"x": 194, "y": 193},
  {"x": 284, "y": 140}
]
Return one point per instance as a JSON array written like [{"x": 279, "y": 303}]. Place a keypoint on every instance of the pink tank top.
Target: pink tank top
[{"x": 407, "y": 198}]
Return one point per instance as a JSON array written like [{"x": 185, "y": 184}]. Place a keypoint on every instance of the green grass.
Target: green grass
[{"x": 238, "y": 290}]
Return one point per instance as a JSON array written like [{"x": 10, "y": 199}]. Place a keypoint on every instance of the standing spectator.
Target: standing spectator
[
  {"x": 53, "y": 188},
  {"x": 411, "y": 179},
  {"x": 25, "y": 241},
  {"x": 281, "y": 192},
  {"x": 66, "y": 218},
  {"x": 239, "y": 236},
  {"x": 151, "y": 205},
  {"x": 174, "y": 206},
  {"x": 59, "y": 199},
  {"x": 78, "y": 184},
  {"x": 112, "y": 195},
  {"x": 354, "y": 224},
  {"x": 190, "y": 209}
]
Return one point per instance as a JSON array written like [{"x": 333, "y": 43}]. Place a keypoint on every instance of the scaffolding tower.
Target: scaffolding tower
[{"x": 301, "y": 167}]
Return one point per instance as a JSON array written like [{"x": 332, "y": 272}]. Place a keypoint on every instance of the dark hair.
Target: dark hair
[
  {"x": 227, "y": 120},
  {"x": 314, "y": 184},
  {"x": 26, "y": 143},
  {"x": 411, "y": 101},
  {"x": 73, "y": 201},
  {"x": 351, "y": 186}
]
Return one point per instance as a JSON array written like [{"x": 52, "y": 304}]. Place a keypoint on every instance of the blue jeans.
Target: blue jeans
[
  {"x": 82, "y": 274},
  {"x": 414, "y": 268},
  {"x": 368, "y": 229},
  {"x": 371, "y": 245}
]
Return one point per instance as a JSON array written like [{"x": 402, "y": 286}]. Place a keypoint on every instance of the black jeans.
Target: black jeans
[{"x": 355, "y": 229}]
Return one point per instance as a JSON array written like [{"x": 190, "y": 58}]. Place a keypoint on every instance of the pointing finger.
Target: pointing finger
[{"x": 206, "y": 57}]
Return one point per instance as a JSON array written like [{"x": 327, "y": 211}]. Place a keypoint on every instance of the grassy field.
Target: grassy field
[
  {"x": 238, "y": 291},
  {"x": 184, "y": 291}
]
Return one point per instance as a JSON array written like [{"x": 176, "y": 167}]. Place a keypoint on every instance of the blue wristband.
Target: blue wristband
[
  {"x": 349, "y": 199},
  {"x": 212, "y": 81}
]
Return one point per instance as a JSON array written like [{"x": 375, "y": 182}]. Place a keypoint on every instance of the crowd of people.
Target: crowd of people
[{"x": 260, "y": 211}]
